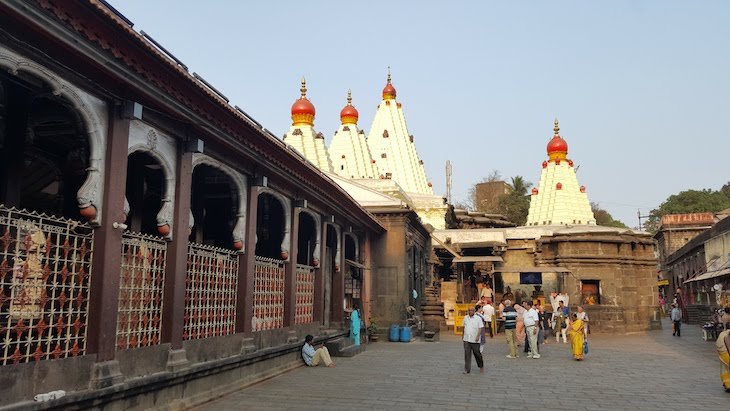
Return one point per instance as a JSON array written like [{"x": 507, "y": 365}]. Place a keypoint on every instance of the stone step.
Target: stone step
[{"x": 344, "y": 347}]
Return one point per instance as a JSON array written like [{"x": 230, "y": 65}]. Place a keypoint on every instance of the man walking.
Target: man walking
[
  {"x": 677, "y": 320},
  {"x": 488, "y": 311},
  {"x": 510, "y": 324},
  {"x": 472, "y": 333},
  {"x": 531, "y": 319}
]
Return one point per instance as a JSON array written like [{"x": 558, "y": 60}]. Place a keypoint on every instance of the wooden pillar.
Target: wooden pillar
[
  {"x": 173, "y": 313},
  {"x": 319, "y": 285},
  {"x": 338, "y": 282},
  {"x": 106, "y": 270},
  {"x": 367, "y": 277},
  {"x": 290, "y": 281},
  {"x": 246, "y": 267}
]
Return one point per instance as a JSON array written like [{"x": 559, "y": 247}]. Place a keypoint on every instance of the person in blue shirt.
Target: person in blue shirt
[
  {"x": 355, "y": 325},
  {"x": 510, "y": 324},
  {"x": 313, "y": 355}
]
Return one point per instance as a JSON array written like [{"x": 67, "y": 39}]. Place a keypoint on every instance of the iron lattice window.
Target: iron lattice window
[
  {"x": 268, "y": 294},
  {"x": 304, "y": 310},
  {"x": 210, "y": 292},
  {"x": 139, "y": 320},
  {"x": 45, "y": 275}
]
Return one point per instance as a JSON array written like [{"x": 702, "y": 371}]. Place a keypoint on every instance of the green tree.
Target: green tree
[
  {"x": 605, "y": 218},
  {"x": 516, "y": 205},
  {"x": 690, "y": 201}
]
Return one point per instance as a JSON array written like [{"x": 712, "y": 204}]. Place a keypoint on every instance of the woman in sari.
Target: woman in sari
[
  {"x": 723, "y": 350},
  {"x": 520, "y": 330},
  {"x": 575, "y": 332}
]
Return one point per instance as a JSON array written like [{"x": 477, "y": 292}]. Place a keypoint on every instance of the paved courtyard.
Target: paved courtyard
[{"x": 647, "y": 371}]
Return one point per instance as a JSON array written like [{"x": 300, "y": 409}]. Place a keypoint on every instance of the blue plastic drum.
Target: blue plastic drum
[
  {"x": 405, "y": 334},
  {"x": 393, "y": 336}
]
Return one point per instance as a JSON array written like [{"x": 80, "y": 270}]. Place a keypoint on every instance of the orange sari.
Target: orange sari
[
  {"x": 575, "y": 333},
  {"x": 723, "y": 350}
]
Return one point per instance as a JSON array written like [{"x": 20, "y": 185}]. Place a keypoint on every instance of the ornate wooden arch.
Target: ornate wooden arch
[
  {"x": 286, "y": 205},
  {"x": 240, "y": 181},
  {"x": 93, "y": 114}
]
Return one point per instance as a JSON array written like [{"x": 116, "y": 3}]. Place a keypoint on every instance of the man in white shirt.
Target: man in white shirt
[
  {"x": 531, "y": 319},
  {"x": 313, "y": 356},
  {"x": 472, "y": 334},
  {"x": 488, "y": 312}
]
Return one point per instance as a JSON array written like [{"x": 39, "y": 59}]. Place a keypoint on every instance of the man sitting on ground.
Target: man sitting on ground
[{"x": 312, "y": 356}]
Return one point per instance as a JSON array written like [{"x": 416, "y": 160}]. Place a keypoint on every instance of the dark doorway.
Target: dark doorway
[
  {"x": 214, "y": 202},
  {"x": 145, "y": 185},
  {"x": 306, "y": 239},
  {"x": 269, "y": 226}
]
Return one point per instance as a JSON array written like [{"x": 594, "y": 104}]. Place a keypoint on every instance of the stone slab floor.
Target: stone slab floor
[{"x": 645, "y": 371}]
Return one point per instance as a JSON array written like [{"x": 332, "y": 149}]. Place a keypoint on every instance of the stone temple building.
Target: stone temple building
[
  {"x": 386, "y": 161},
  {"x": 392, "y": 186},
  {"x": 610, "y": 271}
]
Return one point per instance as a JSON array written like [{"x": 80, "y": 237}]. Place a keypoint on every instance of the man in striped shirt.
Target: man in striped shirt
[{"x": 510, "y": 324}]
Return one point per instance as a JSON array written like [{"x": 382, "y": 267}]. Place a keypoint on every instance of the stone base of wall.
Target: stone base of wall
[
  {"x": 148, "y": 383},
  {"x": 619, "y": 320}
]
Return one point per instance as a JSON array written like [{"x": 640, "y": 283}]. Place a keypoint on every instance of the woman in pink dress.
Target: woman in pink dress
[{"x": 520, "y": 324}]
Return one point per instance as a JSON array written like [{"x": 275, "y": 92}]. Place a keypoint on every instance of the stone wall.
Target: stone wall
[
  {"x": 391, "y": 283},
  {"x": 625, "y": 268}
]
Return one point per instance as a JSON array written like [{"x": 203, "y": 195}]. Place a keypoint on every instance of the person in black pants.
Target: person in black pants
[{"x": 677, "y": 320}]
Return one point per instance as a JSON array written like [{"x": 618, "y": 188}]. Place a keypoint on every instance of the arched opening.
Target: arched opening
[
  {"x": 214, "y": 202},
  {"x": 44, "y": 149},
  {"x": 329, "y": 266},
  {"x": 44, "y": 154},
  {"x": 270, "y": 222},
  {"x": 145, "y": 188},
  {"x": 353, "y": 275},
  {"x": 307, "y": 239}
]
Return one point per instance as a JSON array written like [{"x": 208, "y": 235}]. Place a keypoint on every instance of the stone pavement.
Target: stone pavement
[{"x": 645, "y": 371}]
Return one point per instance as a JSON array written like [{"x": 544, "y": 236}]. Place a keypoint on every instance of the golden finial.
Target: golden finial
[
  {"x": 304, "y": 88},
  {"x": 349, "y": 97},
  {"x": 388, "y": 74},
  {"x": 556, "y": 128}
]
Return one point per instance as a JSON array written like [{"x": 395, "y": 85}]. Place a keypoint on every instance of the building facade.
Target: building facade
[{"x": 154, "y": 237}]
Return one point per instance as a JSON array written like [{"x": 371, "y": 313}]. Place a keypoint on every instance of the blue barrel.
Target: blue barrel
[
  {"x": 393, "y": 336},
  {"x": 405, "y": 334}
]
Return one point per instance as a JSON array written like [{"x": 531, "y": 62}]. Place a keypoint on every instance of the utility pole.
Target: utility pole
[
  {"x": 638, "y": 214},
  {"x": 448, "y": 181}
]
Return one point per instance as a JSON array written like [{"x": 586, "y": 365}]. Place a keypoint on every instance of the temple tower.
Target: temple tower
[
  {"x": 349, "y": 149},
  {"x": 393, "y": 148},
  {"x": 559, "y": 199},
  {"x": 302, "y": 135}
]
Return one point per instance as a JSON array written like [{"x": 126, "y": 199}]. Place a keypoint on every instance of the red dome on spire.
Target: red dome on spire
[
  {"x": 302, "y": 106},
  {"x": 557, "y": 148},
  {"x": 302, "y": 111},
  {"x": 389, "y": 91},
  {"x": 349, "y": 114}
]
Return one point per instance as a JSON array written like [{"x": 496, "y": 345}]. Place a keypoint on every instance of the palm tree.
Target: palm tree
[{"x": 520, "y": 185}]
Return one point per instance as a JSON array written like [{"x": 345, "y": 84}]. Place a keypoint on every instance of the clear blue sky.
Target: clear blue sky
[{"x": 641, "y": 88}]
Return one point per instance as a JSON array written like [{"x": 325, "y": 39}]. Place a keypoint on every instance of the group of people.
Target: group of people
[{"x": 527, "y": 324}]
